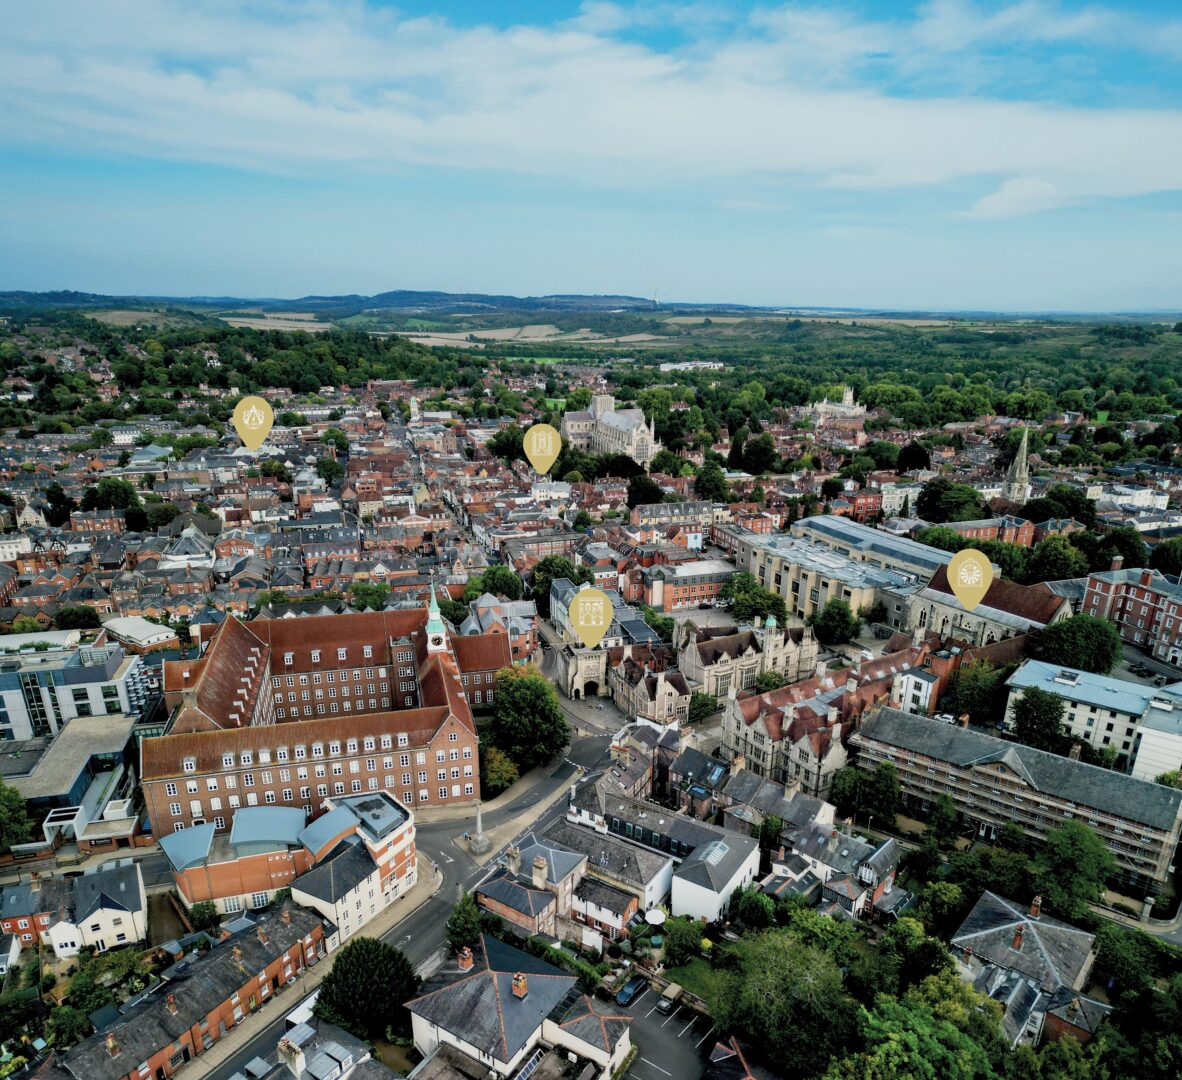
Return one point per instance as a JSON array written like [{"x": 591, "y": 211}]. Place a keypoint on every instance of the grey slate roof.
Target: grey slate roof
[
  {"x": 339, "y": 873},
  {"x": 209, "y": 981},
  {"x": 600, "y": 893},
  {"x": 113, "y": 888},
  {"x": 1087, "y": 785},
  {"x": 560, "y": 862},
  {"x": 597, "y": 1023},
  {"x": 517, "y": 893},
  {"x": 479, "y": 1007},
  {"x": 610, "y": 855},
  {"x": 1052, "y": 953},
  {"x": 714, "y": 864}
]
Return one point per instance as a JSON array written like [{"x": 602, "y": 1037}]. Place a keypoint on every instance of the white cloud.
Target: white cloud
[
  {"x": 1018, "y": 197},
  {"x": 778, "y": 98}
]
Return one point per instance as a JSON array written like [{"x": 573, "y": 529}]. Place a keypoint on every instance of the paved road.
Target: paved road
[{"x": 422, "y": 934}]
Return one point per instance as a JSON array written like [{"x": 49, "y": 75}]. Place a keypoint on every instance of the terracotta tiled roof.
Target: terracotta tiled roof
[
  {"x": 1035, "y": 603},
  {"x": 482, "y": 652},
  {"x": 164, "y": 756}
]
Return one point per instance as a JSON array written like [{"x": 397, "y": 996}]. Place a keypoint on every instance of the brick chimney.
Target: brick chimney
[
  {"x": 1074, "y": 752},
  {"x": 1016, "y": 944},
  {"x": 237, "y": 950},
  {"x": 171, "y": 1000},
  {"x": 539, "y": 868},
  {"x": 1117, "y": 562},
  {"x": 262, "y": 935},
  {"x": 112, "y": 1045},
  {"x": 964, "y": 720},
  {"x": 1035, "y": 907},
  {"x": 513, "y": 859},
  {"x": 466, "y": 960},
  {"x": 739, "y": 761},
  {"x": 520, "y": 985},
  {"x": 286, "y": 917}
]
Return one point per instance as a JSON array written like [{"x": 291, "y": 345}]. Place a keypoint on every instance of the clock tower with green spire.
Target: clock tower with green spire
[{"x": 436, "y": 628}]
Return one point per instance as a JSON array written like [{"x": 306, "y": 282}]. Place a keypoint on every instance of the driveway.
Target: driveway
[{"x": 669, "y": 1047}]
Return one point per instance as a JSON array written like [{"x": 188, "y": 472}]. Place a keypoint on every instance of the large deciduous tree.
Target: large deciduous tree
[
  {"x": 1082, "y": 641},
  {"x": 528, "y": 724},
  {"x": 1038, "y": 720},
  {"x": 1070, "y": 869}
]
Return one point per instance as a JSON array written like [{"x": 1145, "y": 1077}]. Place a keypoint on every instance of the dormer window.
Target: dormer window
[
  {"x": 247, "y": 757},
  {"x": 289, "y": 658},
  {"x": 190, "y": 764},
  {"x": 342, "y": 654},
  {"x": 367, "y": 652},
  {"x": 264, "y": 757},
  {"x": 227, "y": 761},
  {"x": 315, "y": 656}
]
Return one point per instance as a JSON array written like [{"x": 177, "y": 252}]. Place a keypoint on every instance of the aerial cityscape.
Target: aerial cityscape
[{"x": 521, "y": 557}]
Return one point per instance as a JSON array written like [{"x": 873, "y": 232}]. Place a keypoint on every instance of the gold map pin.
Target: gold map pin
[
  {"x": 970, "y": 574},
  {"x": 542, "y": 445},
  {"x": 590, "y": 615},
  {"x": 252, "y": 420}
]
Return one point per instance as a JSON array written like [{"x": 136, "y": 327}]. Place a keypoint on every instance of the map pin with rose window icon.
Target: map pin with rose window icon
[{"x": 970, "y": 574}]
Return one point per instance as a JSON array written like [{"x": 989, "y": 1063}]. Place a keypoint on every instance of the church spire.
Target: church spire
[{"x": 1017, "y": 487}]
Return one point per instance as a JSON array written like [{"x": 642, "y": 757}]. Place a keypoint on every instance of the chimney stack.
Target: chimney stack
[
  {"x": 112, "y": 1045},
  {"x": 34, "y": 882},
  {"x": 286, "y": 917},
  {"x": 1035, "y": 907},
  {"x": 171, "y": 999},
  {"x": 1074, "y": 752},
  {"x": 1117, "y": 562},
  {"x": 237, "y": 951},
  {"x": 262, "y": 935},
  {"x": 964, "y": 720},
  {"x": 539, "y": 872},
  {"x": 513, "y": 859},
  {"x": 1016, "y": 944},
  {"x": 466, "y": 960},
  {"x": 520, "y": 985},
  {"x": 833, "y": 834}
]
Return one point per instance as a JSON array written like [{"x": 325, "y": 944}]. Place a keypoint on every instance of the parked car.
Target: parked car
[{"x": 630, "y": 989}]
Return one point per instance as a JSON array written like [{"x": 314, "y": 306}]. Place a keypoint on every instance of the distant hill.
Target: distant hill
[{"x": 405, "y": 301}]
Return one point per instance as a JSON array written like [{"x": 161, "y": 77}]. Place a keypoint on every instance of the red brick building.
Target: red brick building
[
  {"x": 293, "y": 711},
  {"x": 1143, "y": 605}
]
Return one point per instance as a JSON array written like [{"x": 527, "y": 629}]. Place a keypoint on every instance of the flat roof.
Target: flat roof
[
  {"x": 1119, "y": 695},
  {"x": 80, "y": 740}
]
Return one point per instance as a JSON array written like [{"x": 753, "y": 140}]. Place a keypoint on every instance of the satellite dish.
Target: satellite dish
[{"x": 654, "y": 917}]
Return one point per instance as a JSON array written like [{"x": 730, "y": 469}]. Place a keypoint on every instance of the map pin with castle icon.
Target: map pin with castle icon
[
  {"x": 252, "y": 420},
  {"x": 970, "y": 574}
]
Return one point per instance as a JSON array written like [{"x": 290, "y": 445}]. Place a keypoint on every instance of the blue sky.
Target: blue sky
[{"x": 1020, "y": 155}]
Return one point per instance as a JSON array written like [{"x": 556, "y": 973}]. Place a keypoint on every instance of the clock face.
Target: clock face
[{"x": 437, "y": 640}]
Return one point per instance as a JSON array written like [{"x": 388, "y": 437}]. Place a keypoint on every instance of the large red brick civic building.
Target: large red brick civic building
[{"x": 296, "y": 711}]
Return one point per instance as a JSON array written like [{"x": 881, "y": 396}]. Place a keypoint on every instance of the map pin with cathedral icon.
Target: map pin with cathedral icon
[
  {"x": 542, "y": 445},
  {"x": 252, "y": 420},
  {"x": 970, "y": 574}
]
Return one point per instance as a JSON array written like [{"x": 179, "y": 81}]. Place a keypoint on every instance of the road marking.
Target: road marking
[
  {"x": 639, "y": 996},
  {"x": 687, "y": 1027},
  {"x": 652, "y": 1010},
  {"x": 670, "y": 1017},
  {"x": 704, "y": 1037},
  {"x": 657, "y": 1067}
]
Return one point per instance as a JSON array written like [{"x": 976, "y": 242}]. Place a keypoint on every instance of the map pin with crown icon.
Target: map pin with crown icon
[{"x": 253, "y": 418}]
